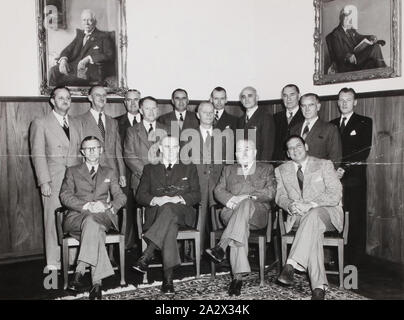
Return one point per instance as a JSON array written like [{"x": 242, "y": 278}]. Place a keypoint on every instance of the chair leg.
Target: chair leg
[
  {"x": 276, "y": 251},
  {"x": 122, "y": 259},
  {"x": 212, "y": 264},
  {"x": 111, "y": 252},
  {"x": 341, "y": 264},
  {"x": 144, "y": 245},
  {"x": 198, "y": 256},
  {"x": 261, "y": 248},
  {"x": 65, "y": 262},
  {"x": 284, "y": 251}
]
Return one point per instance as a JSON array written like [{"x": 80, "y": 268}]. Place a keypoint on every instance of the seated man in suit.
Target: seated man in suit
[
  {"x": 169, "y": 190},
  {"x": 246, "y": 190},
  {"x": 80, "y": 62},
  {"x": 86, "y": 192},
  {"x": 309, "y": 190},
  {"x": 223, "y": 119}
]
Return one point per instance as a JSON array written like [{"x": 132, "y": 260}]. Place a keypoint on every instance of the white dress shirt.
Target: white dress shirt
[
  {"x": 311, "y": 123},
  {"x": 347, "y": 116},
  {"x": 60, "y": 118},
  {"x": 96, "y": 116},
  {"x": 132, "y": 117},
  {"x": 177, "y": 114},
  {"x": 147, "y": 124},
  {"x": 204, "y": 132},
  {"x": 219, "y": 113},
  {"x": 250, "y": 112}
]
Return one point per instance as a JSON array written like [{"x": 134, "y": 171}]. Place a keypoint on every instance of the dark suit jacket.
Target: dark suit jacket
[
  {"x": 226, "y": 120},
  {"x": 112, "y": 156},
  {"x": 99, "y": 47},
  {"x": 324, "y": 141},
  {"x": 263, "y": 124},
  {"x": 123, "y": 125},
  {"x": 170, "y": 120},
  {"x": 356, "y": 145},
  {"x": 283, "y": 131},
  {"x": 138, "y": 148},
  {"x": 78, "y": 188},
  {"x": 182, "y": 180}
]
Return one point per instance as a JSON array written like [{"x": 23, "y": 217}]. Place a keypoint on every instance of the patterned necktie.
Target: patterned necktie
[
  {"x": 305, "y": 131},
  {"x": 246, "y": 119},
  {"x": 169, "y": 167},
  {"x": 66, "y": 127},
  {"x": 93, "y": 173},
  {"x": 101, "y": 126},
  {"x": 150, "y": 129},
  {"x": 289, "y": 118},
  {"x": 217, "y": 115},
  {"x": 85, "y": 39},
  {"x": 342, "y": 126},
  {"x": 300, "y": 177},
  {"x": 181, "y": 117}
]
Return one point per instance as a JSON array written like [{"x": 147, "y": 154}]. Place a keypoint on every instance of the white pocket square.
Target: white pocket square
[
  {"x": 107, "y": 180},
  {"x": 185, "y": 178},
  {"x": 96, "y": 47},
  {"x": 353, "y": 133},
  {"x": 227, "y": 127}
]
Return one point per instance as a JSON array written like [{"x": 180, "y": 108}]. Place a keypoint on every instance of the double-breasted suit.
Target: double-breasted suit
[
  {"x": 52, "y": 152},
  {"x": 170, "y": 120},
  {"x": 226, "y": 121}
]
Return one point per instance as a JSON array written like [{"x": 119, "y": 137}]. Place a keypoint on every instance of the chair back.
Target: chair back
[{"x": 60, "y": 213}]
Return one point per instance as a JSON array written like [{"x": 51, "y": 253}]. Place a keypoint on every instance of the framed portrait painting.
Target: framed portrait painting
[
  {"x": 356, "y": 40},
  {"x": 82, "y": 43}
]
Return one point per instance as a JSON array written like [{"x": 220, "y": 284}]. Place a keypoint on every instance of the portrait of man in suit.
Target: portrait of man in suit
[
  {"x": 286, "y": 119},
  {"x": 356, "y": 135},
  {"x": 95, "y": 122},
  {"x": 129, "y": 119},
  {"x": 259, "y": 123},
  {"x": 322, "y": 137},
  {"x": 223, "y": 119},
  {"x": 91, "y": 193},
  {"x": 245, "y": 190},
  {"x": 88, "y": 60},
  {"x": 309, "y": 190},
  {"x": 169, "y": 190},
  {"x": 55, "y": 145}
]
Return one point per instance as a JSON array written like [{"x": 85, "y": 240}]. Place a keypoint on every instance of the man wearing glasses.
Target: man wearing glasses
[{"x": 91, "y": 193}]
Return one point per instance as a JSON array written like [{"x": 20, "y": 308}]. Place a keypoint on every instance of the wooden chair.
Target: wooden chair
[
  {"x": 184, "y": 233},
  {"x": 261, "y": 237},
  {"x": 66, "y": 241},
  {"x": 331, "y": 238}
]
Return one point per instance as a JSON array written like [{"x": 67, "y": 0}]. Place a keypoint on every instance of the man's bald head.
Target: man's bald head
[
  {"x": 206, "y": 114},
  {"x": 249, "y": 97}
]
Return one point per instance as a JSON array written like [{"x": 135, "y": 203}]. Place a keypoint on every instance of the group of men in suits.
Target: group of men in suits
[{"x": 144, "y": 154}]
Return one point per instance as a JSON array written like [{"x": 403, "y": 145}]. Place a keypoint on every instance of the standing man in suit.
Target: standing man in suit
[
  {"x": 209, "y": 160},
  {"x": 223, "y": 119},
  {"x": 286, "y": 119},
  {"x": 86, "y": 192},
  {"x": 246, "y": 190},
  {"x": 356, "y": 135},
  {"x": 129, "y": 119},
  {"x": 141, "y": 142},
  {"x": 169, "y": 190},
  {"x": 322, "y": 137},
  {"x": 96, "y": 123},
  {"x": 180, "y": 118},
  {"x": 309, "y": 190},
  {"x": 258, "y": 121},
  {"x": 80, "y": 62},
  {"x": 55, "y": 143}
]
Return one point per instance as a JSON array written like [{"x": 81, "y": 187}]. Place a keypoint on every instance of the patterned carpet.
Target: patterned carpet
[{"x": 206, "y": 288}]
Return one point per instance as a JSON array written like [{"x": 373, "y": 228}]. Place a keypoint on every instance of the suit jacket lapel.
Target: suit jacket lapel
[
  {"x": 55, "y": 126},
  {"x": 314, "y": 128},
  {"x": 350, "y": 125},
  {"x": 85, "y": 173},
  {"x": 143, "y": 135},
  {"x": 100, "y": 178}
]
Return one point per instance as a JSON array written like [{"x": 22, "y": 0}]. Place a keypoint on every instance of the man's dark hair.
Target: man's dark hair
[
  {"x": 219, "y": 89},
  {"x": 88, "y": 138},
  {"x": 177, "y": 90},
  {"x": 307, "y": 95},
  {"x": 293, "y": 136},
  {"x": 132, "y": 90},
  {"x": 141, "y": 101},
  {"x": 347, "y": 90},
  {"x": 291, "y": 85},
  {"x": 53, "y": 92}
]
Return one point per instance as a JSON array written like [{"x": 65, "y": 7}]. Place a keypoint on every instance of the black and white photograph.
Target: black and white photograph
[{"x": 201, "y": 158}]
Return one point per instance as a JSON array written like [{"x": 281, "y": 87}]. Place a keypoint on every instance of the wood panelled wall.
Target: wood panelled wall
[{"x": 20, "y": 204}]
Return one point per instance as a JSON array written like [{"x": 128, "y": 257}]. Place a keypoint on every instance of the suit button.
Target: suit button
[{"x": 92, "y": 191}]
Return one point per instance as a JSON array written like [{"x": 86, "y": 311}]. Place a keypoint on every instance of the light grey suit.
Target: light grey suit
[
  {"x": 249, "y": 213},
  {"x": 52, "y": 152},
  {"x": 321, "y": 186}
]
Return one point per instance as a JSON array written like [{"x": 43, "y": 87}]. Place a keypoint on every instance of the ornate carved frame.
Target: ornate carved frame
[{"x": 394, "y": 70}]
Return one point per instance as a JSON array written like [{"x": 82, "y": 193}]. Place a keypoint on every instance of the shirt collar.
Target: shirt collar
[
  {"x": 132, "y": 117},
  {"x": 167, "y": 163},
  {"x": 177, "y": 114},
  {"x": 147, "y": 124},
  {"x": 303, "y": 164},
  {"x": 90, "y": 165},
  {"x": 219, "y": 113},
  {"x": 294, "y": 111},
  {"x": 311, "y": 123},
  {"x": 59, "y": 118},
  {"x": 247, "y": 169},
  {"x": 205, "y": 131},
  {"x": 251, "y": 111},
  {"x": 96, "y": 115},
  {"x": 347, "y": 116}
]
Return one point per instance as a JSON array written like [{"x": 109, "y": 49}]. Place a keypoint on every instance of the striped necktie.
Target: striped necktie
[
  {"x": 300, "y": 177},
  {"x": 101, "y": 126},
  {"x": 305, "y": 131},
  {"x": 66, "y": 127},
  {"x": 93, "y": 173}
]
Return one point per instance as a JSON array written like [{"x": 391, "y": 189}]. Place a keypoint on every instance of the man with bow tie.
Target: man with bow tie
[
  {"x": 55, "y": 142},
  {"x": 125, "y": 121},
  {"x": 88, "y": 59},
  {"x": 246, "y": 190},
  {"x": 169, "y": 190},
  {"x": 91, "y": 193},
  {"x": 309, "y": 190},
  {"x": 356, "y": 136}
]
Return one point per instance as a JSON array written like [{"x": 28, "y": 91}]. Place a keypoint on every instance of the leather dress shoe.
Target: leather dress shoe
[
  {"x": 216, "y": 253},
  {"x": 318, "y": 294},
  {"x": 77, "y": 284},
  {"x": 286, "y": 276},
  {"x": 142, "y": 264},
  {"x": 95, "y": 293},
  {"x": 235, "y": 287},
  {"x": 168, "y": 284}
]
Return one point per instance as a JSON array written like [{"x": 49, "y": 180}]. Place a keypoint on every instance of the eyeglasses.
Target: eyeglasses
[{"x": 91, "y": 149}]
